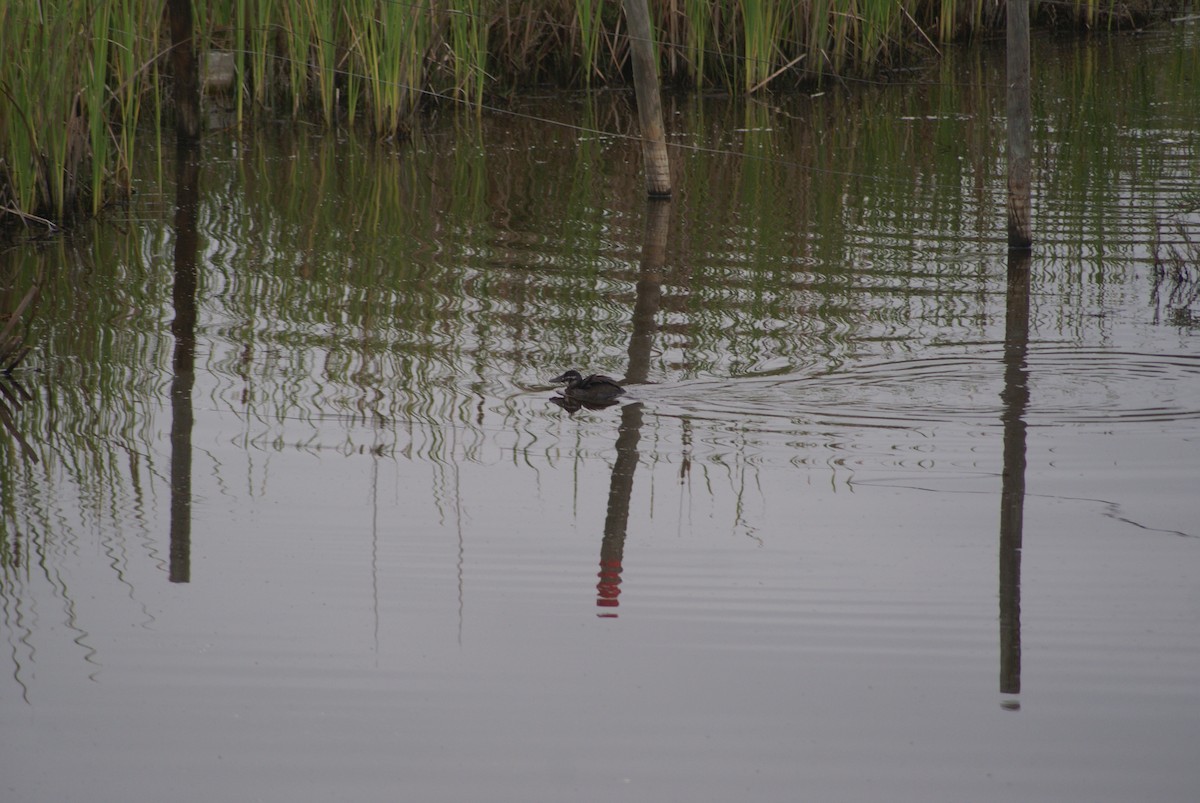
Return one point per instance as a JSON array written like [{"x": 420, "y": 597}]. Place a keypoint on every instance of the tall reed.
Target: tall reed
[
  {"x": 75, "y": 75},
  {"x": 588, "y": 17},
  {"x": 699, "y": 27},
  {"x": 468, "y": 43},
  {"x": 391, "y": 53},
  {"x": 761, "y": 32},
  {"x": 70, "y": 104}
]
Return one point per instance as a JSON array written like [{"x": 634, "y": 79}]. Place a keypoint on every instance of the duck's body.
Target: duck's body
[{"x": 591, "y": 389}]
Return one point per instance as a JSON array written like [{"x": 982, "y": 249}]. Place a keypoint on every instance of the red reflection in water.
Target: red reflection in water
[{"x": 609, "y": 588}]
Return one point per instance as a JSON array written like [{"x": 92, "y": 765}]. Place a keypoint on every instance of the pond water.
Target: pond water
[{"x": 289, "y": 514}]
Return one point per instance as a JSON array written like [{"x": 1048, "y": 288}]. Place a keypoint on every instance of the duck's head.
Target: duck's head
[{"x": 568, "y": 376}]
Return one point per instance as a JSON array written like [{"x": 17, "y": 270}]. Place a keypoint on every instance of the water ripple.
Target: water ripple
[{"x": 1067, "y": 386}]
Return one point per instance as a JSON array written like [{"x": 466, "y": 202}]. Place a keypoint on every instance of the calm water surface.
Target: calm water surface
[{"x": 295, "y": 518}]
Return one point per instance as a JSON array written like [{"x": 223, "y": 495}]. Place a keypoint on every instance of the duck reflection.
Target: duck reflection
[{"x": 573, "y": 406}]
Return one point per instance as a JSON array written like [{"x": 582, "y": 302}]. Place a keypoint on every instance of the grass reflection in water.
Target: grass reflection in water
[{"x": 795, "y": 505}]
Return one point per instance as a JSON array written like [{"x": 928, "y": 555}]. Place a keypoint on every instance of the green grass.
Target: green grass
[{"x": 69, "y": 123}]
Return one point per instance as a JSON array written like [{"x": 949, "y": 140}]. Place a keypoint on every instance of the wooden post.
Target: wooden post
[
  {"x": 186, "y": 69},
  {"x": 649, "y": 102},
  {"x": 1020, "y": 234}
]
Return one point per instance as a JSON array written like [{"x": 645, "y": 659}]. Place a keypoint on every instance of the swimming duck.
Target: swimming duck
[{"x": 592, "y": 389}]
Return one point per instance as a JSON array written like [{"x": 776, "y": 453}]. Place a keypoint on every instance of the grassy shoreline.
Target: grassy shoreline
[{"x": 84, "y": 76}]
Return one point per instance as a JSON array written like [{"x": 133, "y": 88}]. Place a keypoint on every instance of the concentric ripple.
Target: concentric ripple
[{"x": 1065, "y": 386}]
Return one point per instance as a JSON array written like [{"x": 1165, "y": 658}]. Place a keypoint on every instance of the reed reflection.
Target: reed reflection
[
  {"x": 183, "y": 328},
  {"x": 1015, "y": 402},
  {"x": 13, "y": 397},
  {"x": 645, "y": 323},
  {"x": 13, "y": 394}
]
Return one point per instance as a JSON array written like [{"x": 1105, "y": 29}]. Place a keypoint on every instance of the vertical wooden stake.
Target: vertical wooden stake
[
  {"x": 649, "y": 102},
  {"x": 1020, "y": 234},
  {"x": 186, "y": 68}
]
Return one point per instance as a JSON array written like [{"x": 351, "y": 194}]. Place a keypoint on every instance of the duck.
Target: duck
[{"x": 591, "y": 389}]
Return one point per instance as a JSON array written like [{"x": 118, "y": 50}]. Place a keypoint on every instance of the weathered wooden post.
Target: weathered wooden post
[
  {"x": 186, "y": 69},
  {"x": 1020, "y": 234},
  {"x": 649, "y": 101}
]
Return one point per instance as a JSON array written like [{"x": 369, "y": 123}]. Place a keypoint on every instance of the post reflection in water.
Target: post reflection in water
[
  {"x": 645, "y": 314},
  {"x": 183, "y": 328},
  {"x": 616, "y": 519},
  {"x": 1014, "y": 402}
]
